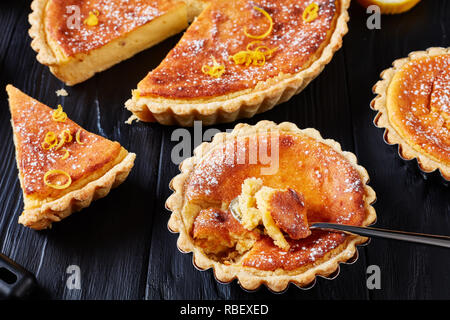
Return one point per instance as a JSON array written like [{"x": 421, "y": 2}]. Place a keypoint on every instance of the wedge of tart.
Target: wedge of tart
[
  {"x": 413, "y": 104},
  {"x": 76, "y": 39},
  {"x": 286, "y": 179},
  {"x": 239, "y": 58},
  {"x": 62, "y": 167}
]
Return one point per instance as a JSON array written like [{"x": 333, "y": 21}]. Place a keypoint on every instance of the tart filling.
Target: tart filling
[
  {"x": 414, "y": 102},
  {"x": 315, "y": 182},
  {"x": 278, "y": 211}
]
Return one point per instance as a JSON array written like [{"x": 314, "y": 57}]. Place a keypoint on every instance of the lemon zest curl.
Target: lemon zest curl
[
  {"x": 66, "y": 154},
  {"x": 50, "y": 140},
  {"x": 92, "y": 19},
  {"x": 77, "y": 137},
  {"x": 265, "y": 34},
  {"x": 64, "y": 136},
  {"x": 57, "y": 185},
  {"x": 257, "y": 56},
  {"x": 59, "y": 115},
  {"x": 311, "y": 12},
  {"x": 216, "y": 71}
]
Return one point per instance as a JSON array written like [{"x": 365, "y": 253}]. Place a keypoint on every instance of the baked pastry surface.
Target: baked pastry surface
[
  {"x": 178, "y": 91},
  {"x": 75, "y": 48},
  {"x": 330, "y": 187},
  {"x": 413, "y": 103},
  {"x": 65, "y": 174}
]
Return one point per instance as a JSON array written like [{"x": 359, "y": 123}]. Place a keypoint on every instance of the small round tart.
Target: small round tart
[
  {"x": 313, "y": 174},
  {"x": 239, "y": 58},
  {"x": 414, "y": 107}
]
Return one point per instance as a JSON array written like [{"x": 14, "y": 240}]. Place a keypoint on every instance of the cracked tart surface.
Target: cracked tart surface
[
  {"x": 414, "y": 107},
  {"x": 292, "y": 52},
  {"x": 63, "y": 173},
  {"x": 328, "y": 184}
]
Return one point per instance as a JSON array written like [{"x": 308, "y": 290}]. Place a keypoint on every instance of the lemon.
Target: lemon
[{"x": 390, "y": 6}]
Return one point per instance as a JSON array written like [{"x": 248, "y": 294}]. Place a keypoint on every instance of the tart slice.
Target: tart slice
[
  {"x": 413, "y": 105},
  {"x": 239, "y": 58},
  {"x": 76, "y": 39},
  {"x": 62, "y": 167},
  {"x": 285, "y": 179}
]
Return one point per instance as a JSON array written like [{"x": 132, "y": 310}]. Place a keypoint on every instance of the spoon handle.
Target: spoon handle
[{"x": 440, "y": 241}]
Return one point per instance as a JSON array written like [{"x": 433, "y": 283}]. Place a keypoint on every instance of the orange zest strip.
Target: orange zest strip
[
  {"x": 58, "y": 184},
  {"x": 50, "y": 140},
  {"x": 59, "y": 115},
  {"x": 216, "y": 71},
  {"x": 257, "y": 57},
  {"x": 77, "y": 137},
  {"x": 269, "y": 30},
  {"x": 92, "y": 19},
  {"x": 311, "y": 12},
  {"x": 66, "y": 154}
]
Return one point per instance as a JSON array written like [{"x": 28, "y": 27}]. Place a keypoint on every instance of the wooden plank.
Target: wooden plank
[{"x": 9, "y": 19}]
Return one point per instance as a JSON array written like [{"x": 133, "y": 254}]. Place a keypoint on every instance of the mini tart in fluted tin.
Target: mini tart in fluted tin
[
  {"x": 179, "y": 92},
  {"x": 413, "y": 104},
  {"x": 329, "y": 180}
]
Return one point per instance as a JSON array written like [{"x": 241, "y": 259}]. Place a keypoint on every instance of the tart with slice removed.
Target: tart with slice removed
[
  {"x": 239, "y": 58},
  {"x": 62, "y": 167},
  {"x": 414, "y": 107},
  {"x": 285, "y": 179},
  {"x": 76, "y": 39}
]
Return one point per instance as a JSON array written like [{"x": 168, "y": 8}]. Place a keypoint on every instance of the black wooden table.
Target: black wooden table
[{"x": 121, "y": 243}]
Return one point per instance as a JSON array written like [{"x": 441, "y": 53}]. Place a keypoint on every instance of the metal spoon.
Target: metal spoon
[{"x": 434, "y": 240}]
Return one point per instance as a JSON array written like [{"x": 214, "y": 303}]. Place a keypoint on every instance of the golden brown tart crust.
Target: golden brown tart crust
[
  {"x": 94, "y": 166},
  {"x": 178, "y": 92},
  {"x": 413, "y": 103},
  {"x": 332, "y": 184}
]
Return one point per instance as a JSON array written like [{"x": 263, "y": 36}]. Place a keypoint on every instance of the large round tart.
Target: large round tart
[
  {"x": 314, "y": 175},
  {"x": 414, "y": 106}
]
